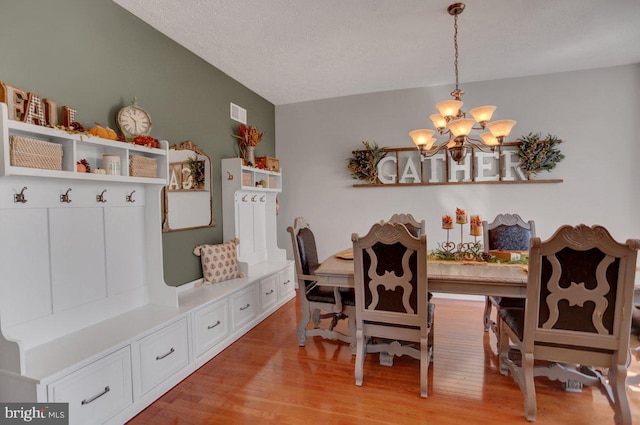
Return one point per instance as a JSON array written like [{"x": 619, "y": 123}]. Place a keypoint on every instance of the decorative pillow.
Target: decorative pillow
[{"x": 219, "y": 262}]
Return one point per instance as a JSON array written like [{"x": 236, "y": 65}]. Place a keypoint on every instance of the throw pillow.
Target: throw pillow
[{"x": 219, "y": 262}]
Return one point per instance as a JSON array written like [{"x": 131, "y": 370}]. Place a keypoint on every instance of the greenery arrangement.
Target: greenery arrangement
[
  {"x": 197, "y": 172},
  {"x": 364, "y": 163},
  {"x": 537, "y": 154},
  {"x": 474, "y": 255}
]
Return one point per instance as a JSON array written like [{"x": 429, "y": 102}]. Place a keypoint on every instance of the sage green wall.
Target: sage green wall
[{"x": 94, "y": 56}]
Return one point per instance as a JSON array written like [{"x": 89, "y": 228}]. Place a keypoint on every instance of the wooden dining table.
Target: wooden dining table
[{"x": 452, "y": 277}]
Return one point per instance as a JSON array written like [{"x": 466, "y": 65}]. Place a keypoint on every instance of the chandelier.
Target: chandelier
[{"x": 452, "y": 120}]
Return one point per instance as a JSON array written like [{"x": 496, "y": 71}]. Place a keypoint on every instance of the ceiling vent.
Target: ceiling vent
[{"x": 238, "y": 113}]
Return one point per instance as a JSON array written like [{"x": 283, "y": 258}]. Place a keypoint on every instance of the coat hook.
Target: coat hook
[
  {"x": 262, "y": 198},
  {"x": 129, "y": 197},
  {"x": 65, "y": 197},
  {"x": 19, "y": 197},
  {"x": 244, "y": 198},
  {"x": 229, "y": 176},
  {"x": 253, "y": 198},
  {"x": 100, "y": 198}
]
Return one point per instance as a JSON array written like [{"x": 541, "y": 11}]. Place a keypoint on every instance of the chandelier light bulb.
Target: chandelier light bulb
[
  {"x": 423, "y": 138},
  {"x": 482, "y": 113},
  {"x": 489, "y": 139},
  {"x": 500, "y": 128},
  {"x": 461, "y": 126},
  {"x": 449, "y": 108},
  {"x": 438, "y": 120}
]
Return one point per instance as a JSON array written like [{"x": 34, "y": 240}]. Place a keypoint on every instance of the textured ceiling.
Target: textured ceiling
[{"x": 297, "y": 50}]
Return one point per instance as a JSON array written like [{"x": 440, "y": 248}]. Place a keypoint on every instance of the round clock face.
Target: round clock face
[{"x": 134, "y": 121}]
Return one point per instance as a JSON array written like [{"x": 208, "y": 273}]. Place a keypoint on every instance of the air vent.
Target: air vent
[{"x": 238, "y": 113}]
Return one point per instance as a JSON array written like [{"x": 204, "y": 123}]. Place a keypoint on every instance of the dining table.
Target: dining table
[{"x": 452, "y": 277}]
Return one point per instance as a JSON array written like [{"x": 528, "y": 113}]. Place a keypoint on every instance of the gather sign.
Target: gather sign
[{"x": 405, "y": 166}]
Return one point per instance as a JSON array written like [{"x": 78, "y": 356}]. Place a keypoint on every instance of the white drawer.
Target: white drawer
[
  {"x": 162, "y": 354},
  {"x": 243, "y": 307},
  {"x": 286, "y": 283},
  {"x": 97, "y": 391},
  {"x": 268, "y": 292},
  {"x": 211, "y": 325}
]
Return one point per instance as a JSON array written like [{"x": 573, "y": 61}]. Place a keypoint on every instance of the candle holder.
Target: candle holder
[
  {"x": 448, "y": 246},
  {"x": 469, "y": 251}
]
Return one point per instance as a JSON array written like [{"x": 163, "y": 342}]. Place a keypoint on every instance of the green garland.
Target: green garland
[
  {"x": 364, "y": 163},
  {"x": 538, "y": 154}
]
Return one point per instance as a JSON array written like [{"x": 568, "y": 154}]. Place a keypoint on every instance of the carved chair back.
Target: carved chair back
[
  {"x": 391, "y": 276},
  {"x": 580, "y": 296},
  {"x": 415, "y": 227},
  {"x": 508, "y": 232}
]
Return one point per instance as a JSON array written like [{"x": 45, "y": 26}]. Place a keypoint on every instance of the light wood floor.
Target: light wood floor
[{"x": 265, "y": 378}]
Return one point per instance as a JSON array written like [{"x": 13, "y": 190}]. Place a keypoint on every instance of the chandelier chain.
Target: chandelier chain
[{"x": 455, "y": 44}]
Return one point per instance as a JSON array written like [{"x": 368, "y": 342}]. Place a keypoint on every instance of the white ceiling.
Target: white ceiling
[{"x": 297, "y": 50}]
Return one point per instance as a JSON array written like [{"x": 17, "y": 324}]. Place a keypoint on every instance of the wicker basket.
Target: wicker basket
[
  {"x": 141, "y": 166},
  {"x": 32, "y": 153}
]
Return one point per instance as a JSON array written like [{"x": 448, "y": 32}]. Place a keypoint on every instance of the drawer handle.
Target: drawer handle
[
  {"x": 245, "y": 307},
  {"x": 213, "y": 326},
  {"x": 94, "y": 398},
  {"x": 162, "y": 357},
  {"x": 287, "y": 282},
  {"x": 269, "y": 293}
]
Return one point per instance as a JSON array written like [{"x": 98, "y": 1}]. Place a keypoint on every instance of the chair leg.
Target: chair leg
[
  {"x": 529, "y": 387},
  {"x": 424, "y": 366},
  {"x": 503, "y": 350},
  {"x": 360, "y": 352},
  {"x": 487, "y": 314},
  {"x": 352, "y": 330},
  {"x": 316, "y": 317},
  {"x": 617, "y": 379},
  {"x": 304, "y": 321}
]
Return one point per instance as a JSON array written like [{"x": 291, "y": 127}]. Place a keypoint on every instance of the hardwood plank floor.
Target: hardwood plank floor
[{"x": 265, "y": 378}]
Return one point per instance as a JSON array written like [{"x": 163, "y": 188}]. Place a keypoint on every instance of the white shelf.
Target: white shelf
[
  {"x": 253, "y": 175},
  {"x": 75, "y": 147}
]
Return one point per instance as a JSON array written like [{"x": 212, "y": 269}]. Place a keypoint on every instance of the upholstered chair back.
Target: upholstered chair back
[
  {"x": 508, "y": 232},
  {"x": 583, "y": 285},
  {"x": 308, "y": 252},
  {"x": 390, "y": 273},
  {"x": 390, "y": 278}
]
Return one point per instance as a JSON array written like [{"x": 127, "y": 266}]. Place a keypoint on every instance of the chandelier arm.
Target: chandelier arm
[
  {"x": 477, "y": 143},
  {"x": 434, "y": 150}
]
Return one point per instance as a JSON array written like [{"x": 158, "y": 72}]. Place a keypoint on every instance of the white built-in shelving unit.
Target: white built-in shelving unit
[{"x": 85, "y": 315}]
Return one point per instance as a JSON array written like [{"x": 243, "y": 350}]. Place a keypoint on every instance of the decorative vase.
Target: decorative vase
[{"x": 249, "y": 156}]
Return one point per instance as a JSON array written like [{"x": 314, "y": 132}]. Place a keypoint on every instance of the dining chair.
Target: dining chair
[
  {"x": 506, "y": 232},
  {"x": 578, "y": 311},
  {"x": 390, "y": 273},
  {"x": 318, "y": 302}
]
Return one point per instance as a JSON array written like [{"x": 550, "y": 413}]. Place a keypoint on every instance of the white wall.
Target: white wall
[{"x": 596, "y": 112}]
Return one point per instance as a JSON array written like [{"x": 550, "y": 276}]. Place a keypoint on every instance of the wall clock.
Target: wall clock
[{"x": 133, "y": 120}]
